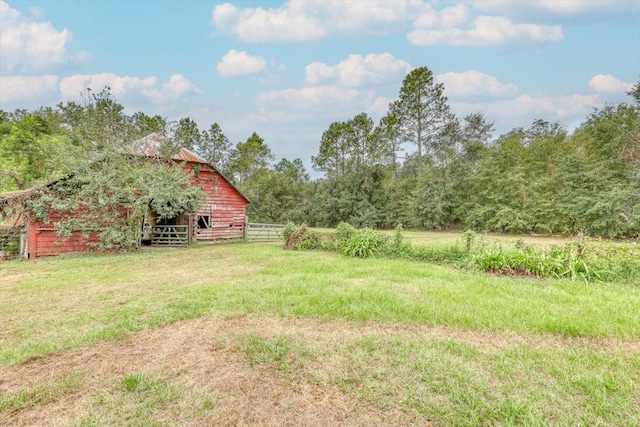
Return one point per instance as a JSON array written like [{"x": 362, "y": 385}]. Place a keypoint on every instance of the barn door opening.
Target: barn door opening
[{"x": 165, "y": 231}]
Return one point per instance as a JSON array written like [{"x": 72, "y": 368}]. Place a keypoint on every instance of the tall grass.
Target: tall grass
[{"x": 580, "y": 259}]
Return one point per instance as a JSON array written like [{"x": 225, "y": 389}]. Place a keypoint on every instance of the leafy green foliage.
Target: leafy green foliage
[
  {"x": 359, "y": 243},
  {"x": 215, "y": 147},
  {"x": 32, "y": 151},
  {"x": 108, "y": 199},
  {"x": 187, "y": 135},
  {"x": 422, "y": 111},
  {"x": 169, "y": 190},
  {"x": 288, "y": 231},
  {"x": 577, "y": 260},
  {"x": 250, "y": 158}
]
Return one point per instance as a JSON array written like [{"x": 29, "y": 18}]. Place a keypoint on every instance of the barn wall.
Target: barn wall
[
  {"x": 225, "y": 207},
  {"x": 43, "y": 241}
]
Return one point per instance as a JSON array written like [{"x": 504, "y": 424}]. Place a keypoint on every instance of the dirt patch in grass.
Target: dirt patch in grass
[{"x": 206, "y": 362}]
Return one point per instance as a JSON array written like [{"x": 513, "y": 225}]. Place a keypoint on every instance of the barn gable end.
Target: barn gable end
[{"x": 222, "y": 215}]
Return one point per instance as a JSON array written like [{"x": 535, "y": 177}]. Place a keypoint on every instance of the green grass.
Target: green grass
[
  {"x": 133, "y": 402},
  {"x": 569, "y": 364},
  {"x": 460, "y": 384},
  {"x": 66, "y": 302},
  {"x": 41, "y": 394},
  {"x": 442, "y": 239},
  {"x": 282, "y": 351}
]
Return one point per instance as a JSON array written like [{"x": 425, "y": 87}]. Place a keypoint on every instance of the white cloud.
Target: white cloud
[
  {"x": 311, "y": 20},
  {"x": 457, "y": 25},
  {"x": 8, "y": 15},
  {"x": 606, "y": 83},
  {"x": 316, "y": 98},
  {"x": 528, "y": 107},
  {"x": 474, "y": 83},
  {"x": 177, "y": 87},
  {"x": 236, "y": 63},
  {"x": 453, "y": 16},
  {"x": 287, "y": 22},
  {"x": 72, "y": 86},
  {"x": 317, "y": 72},
  {"x": 358, "y": 70},
  {"x": 556, "y": 7},
  {"x": 27, "y": 46},
  {"x": 481, "y": 31},
  {"x": 380, "y": 107},
  {"x": 17, "y": 88}
]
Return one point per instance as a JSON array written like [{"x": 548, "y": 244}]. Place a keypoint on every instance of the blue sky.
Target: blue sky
[{"x": 288, "y": 69}]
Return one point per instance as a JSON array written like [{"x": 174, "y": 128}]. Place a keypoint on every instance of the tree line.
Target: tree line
[{"x": 419, "y": 166}]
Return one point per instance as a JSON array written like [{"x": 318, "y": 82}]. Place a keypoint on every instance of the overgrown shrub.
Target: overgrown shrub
[
  {"x": 359, "y": 243},
  {"x": 397, "y": 247},
  {"x": 576, "y": 260},
  {"x": 301, "y": 238},
  {"x": 288, "y": 231},
  {"x": 344, "y": 232},
  {"x": 613, "y": 261}
]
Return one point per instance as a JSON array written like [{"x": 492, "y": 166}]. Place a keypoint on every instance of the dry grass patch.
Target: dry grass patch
[
  {"x": 201, "y": 371},
  {"x": 97, "y": 297},
  {"x": 265, "y": 371}
]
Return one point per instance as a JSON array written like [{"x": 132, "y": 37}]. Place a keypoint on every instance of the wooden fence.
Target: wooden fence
[
  {"x": 257, "y": 232},
  {"x": 170, "y": 235},
  {"x": 10, "y": 242},
  {"x": 178, "y": 235}
]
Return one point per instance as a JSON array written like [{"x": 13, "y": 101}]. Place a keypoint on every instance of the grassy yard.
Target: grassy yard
[
  {"x": 445, "y": 238},
  {"x": 250, "y": 334},
  {"x": 449, "y": 238}
]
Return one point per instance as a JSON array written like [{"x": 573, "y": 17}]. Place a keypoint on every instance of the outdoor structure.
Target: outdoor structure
[{"x": 222, "y": 215}]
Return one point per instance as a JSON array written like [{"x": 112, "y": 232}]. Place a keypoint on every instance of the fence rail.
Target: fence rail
[
  {"x": 170, "y": 235},
  {"x": 10, "y": 242},
  {"x": 258, "y": 232}
]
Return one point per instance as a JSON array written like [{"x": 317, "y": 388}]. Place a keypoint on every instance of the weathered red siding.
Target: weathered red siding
[
  {"x": 43, "y": 241},
  {"x": 224, "y": 205}
]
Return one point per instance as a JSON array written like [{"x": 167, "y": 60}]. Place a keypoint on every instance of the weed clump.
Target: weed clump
[
  {"x": 359, "y": 243},
  {"x": 577, "y": 260},
  {"x": 301, "y": 238}
]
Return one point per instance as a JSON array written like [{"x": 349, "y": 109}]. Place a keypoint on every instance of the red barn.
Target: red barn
[{"x": 222, "y": 215}]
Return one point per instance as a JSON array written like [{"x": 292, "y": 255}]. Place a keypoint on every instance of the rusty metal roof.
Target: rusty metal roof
[{"x": 150, "y": 145}]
